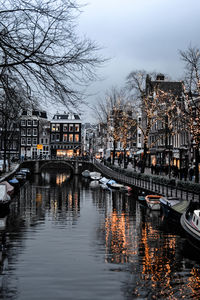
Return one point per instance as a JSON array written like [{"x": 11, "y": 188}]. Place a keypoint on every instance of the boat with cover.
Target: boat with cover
[
  {"x": 190, "y": 222},
  {"x": 173, "y": 207},
  {"x": 86, "y": 173},
  {"x": 153, "y": 201}
]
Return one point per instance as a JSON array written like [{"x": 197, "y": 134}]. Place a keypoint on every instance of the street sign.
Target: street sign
[{"x": 39, "y": 146}]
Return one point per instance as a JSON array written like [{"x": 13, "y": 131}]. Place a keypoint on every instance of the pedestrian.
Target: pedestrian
[{"x": 191, "y": 173}]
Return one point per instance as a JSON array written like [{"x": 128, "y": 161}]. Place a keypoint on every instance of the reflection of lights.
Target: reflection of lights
[
  {"x": 156, "y": 264},
  {"x": 60, "y": 179},
  {"x": 194, "y": 282},
  {"x": 120, "y": 239}
]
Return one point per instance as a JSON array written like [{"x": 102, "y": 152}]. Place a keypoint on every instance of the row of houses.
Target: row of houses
[
  {"x": 165, "y": 146},
  {"x": 35, "y": 136},
  {"x": 65, "y": 135}
]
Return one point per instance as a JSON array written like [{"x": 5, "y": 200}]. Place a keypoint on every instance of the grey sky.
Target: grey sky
[{"x": 139, "y": 34}]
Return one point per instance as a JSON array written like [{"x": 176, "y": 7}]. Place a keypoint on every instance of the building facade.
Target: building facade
[
  {"x": 29, "y": 133},
  {"x": 65, "y": 135}
]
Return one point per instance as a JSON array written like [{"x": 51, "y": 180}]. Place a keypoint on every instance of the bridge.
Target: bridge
[{"x": 76, "y": 165}]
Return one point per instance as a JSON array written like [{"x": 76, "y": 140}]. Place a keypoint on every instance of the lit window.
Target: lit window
[
  {"x": 55, "y": 127},
  {"x": 70, "y": 137},
  {"x": 76, "y": 137},
  {"x": 77, "y": 127}
]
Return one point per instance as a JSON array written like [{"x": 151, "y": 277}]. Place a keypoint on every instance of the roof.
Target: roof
[
  {"x": 66, "y": 117},
  {"x": 174, "y": 87}
]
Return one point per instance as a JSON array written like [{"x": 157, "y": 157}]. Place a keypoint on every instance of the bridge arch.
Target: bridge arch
[{"x": 56, "y": 163}]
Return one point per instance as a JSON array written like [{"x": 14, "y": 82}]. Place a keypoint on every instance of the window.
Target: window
[
  {"x": 55, "y": 127},
  {"x": 65, "y": 127},
  {"x": 64, "y": 137},
  {"x": 35, "y": 131},
  {"x": 53, "y": 137},
  {"x": 34, "y": 141},
  {"x": 46, "y": 141},
  {"x": 23, "y": 141},
  {"x": 29, "y": 131},
  {"x": 23, "y": 131},
  {"x": 42, "y": 141},
  {"x": 76, "y": 137},
  {"x": 29, "y": 122},
  {"x": 77, "y": 127},
  {"x": 28, "y": 141},
  {"x": 23, "y": 122},
  {"x": 71, "y": 127},
  {"x": 35, "y": 122},
  {"x": 70, "y": 137},
  {"x": 57, "y": 137}
]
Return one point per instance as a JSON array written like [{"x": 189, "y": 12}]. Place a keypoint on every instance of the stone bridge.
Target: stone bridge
[{"x": 77, "y": 166}]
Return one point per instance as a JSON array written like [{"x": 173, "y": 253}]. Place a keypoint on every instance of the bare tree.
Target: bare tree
[
  {"x": 191, "y": 108},
  {"x": 39, "y": 44},
  {"x": 154, "y": 104}
]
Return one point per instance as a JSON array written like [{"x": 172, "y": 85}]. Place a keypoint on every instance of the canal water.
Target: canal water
[{"x": 67, "y": 238}]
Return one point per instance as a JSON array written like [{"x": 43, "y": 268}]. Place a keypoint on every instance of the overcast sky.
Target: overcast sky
[{"x": 139, "y": 34}]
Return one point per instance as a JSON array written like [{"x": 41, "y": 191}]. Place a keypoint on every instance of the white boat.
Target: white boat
[
  {"x": 153, "y": 201},
  {"x": 9, "y": 187},
  {"x": 190, "y": 222},
  {"x": 86, "y": 173},
  {"x": 4, "y": 197},
  {"x": 95, "y": 175}
]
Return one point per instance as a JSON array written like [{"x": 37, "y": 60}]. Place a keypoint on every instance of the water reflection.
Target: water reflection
[{"x": 66, "y": 238}]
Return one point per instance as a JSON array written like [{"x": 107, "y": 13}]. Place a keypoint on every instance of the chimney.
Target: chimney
[{"x": 160, "y": 77}]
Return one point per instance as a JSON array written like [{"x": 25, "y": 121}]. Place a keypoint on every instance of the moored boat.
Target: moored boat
[
  {"x": 141, "y": 199},
  {"x": 104, "y": 180},
  {"x": 4, "y": 198},
  {"x": 173, "y": 207},
  {"x": 95, "y": 175},
  {"x": 153, "y": 201},
  {"x": 190, "y": 222},
  {"x": 86, "y": 173},
  {"x": 9, "y": 187},
  {"x": 26, "y": 171},
  {"x": 21, "y": 176},
  {"x": 15, "y": 183}
]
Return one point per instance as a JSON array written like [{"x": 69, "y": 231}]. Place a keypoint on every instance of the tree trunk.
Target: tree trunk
[
  {"x": 196, "y": 171},
  {"x": 114, "y": 151},
  {"x": 144, "y": 158}
]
